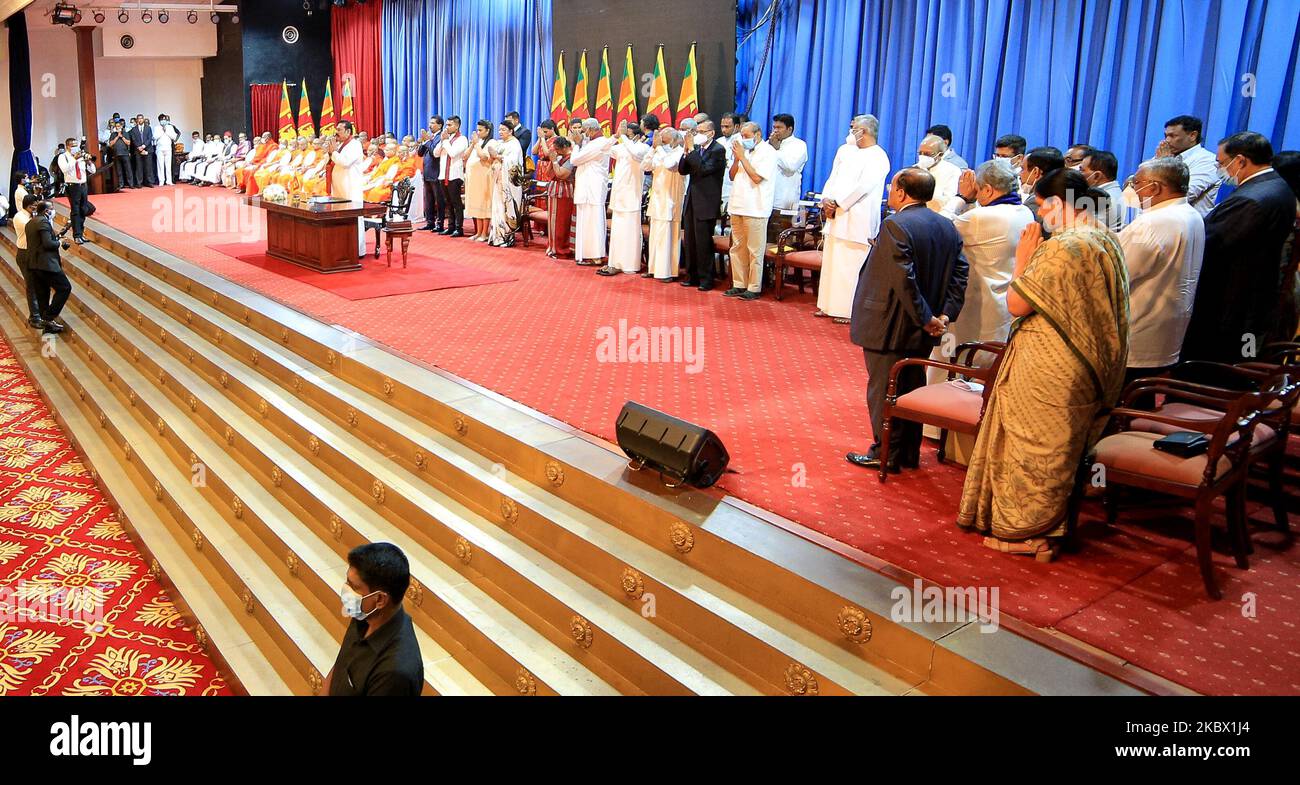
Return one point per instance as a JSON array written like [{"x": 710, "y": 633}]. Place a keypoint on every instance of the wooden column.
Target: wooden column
[{"x": 89, "y": 104}]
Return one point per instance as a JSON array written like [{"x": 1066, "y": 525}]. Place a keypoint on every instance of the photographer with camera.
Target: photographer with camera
[
  {"x": 21, "y": 219},
  {"x": 46, "y": 269},
  {"x": 76, "y": 168}
]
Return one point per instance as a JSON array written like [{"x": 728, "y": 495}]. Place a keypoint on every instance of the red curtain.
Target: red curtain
[
  {"x": 266, "y": 108},
  {"x": 355, "y": 34}
]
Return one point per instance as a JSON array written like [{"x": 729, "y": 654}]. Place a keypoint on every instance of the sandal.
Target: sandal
[{"x": 1041, "y": 548}]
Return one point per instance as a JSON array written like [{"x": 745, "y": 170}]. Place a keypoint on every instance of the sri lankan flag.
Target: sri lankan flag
[
  {"x": 627, "y": 93},
  {"x": 287, "y": 126},
  {"x": 658, "y": 104},
  {"x": 305, "y": 127},
  {"x": 604, "y": 96},
  {"x": 327, "y": 112},
  {"x": 580, "y": 89},
  {"x": 347, "y": 112},
  {"x": 688, "y": 99},
  {"x": 559, "y": 97}
]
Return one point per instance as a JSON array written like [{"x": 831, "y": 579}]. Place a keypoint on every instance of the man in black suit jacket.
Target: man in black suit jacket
[
  {"x": 1238, "y": 290},
  {"x": 141, "y": 138},
  {"x": 435, "y": 197},
  {"x": 521, "y": 133},
  {"x": 911, "y": 287},
  {"x": 705, "y": 162},
  {"x": 45, "y": 268}
]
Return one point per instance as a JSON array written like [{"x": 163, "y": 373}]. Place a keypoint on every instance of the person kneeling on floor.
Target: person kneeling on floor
[{"x": 380, "y": 655}]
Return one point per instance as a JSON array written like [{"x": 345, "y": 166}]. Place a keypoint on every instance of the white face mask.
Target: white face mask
[
  {"x": 926, "y": 161},
  {"x": 352, "y": 603},
  {"x": 850, "y": 139},
  {"x": 701, "y": 140},
  {"x": 1230, "y": 179}
]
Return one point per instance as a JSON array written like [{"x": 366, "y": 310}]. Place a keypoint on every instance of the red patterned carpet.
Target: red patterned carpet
[
  {"x": 79, "y": 612},
  {"x": 786, "y": 392}
]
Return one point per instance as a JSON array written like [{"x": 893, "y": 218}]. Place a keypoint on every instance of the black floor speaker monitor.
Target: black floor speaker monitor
[{"x": 681, "y": 451}]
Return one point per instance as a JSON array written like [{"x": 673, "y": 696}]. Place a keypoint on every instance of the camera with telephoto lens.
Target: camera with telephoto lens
[{"x": 64, "y": 244}]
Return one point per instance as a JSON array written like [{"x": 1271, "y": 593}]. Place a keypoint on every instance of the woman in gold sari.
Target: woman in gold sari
[{"x": 1062, "y": 372}]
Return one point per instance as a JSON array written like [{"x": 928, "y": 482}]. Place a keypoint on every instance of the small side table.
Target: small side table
[{"x": 402, "y": 229}]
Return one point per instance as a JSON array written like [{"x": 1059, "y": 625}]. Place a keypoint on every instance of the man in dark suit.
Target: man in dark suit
[
  {"x": 521, "y": 133},
  {"x": 705, "y": 162},
  {"x": 120, "y": 148},
  {"x": 435, "y": 198},
  {"x": 1238, "y": 290},
  {"x": 45, "y": 268},
  {"x": 911, "y": 286},
  {"x": 141, "y": 138}
]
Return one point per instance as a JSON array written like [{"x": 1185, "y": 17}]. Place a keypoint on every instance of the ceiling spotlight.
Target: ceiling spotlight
[
  {"x": 65, "y": 14},
  {"x": 99, "y": 17},
  {"x": 163, "y": 17},
  {"x": 146, "y": 17},
  {"x": 192, "y": 18},
  {"x": 123, "y": 17}
]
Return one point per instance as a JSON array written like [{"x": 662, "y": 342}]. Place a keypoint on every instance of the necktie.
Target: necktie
[
  {"x": 79, "y": 170},
  {"x": 447, "y": 174}
]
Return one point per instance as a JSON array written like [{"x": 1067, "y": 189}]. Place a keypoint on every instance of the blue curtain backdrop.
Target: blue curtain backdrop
[
  {"x": 20, "y": 104},
  {"x": 475, "y": 58},
  {"x": 1105, "y": 72}
]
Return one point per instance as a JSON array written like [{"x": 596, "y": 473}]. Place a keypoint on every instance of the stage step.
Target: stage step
[{"x": 732, "y": 629}]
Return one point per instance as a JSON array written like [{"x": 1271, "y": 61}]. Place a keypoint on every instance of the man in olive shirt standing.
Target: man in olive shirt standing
[{"x": 380, "y": 655}]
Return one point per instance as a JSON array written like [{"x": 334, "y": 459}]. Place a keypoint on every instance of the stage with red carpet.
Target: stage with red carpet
[
  {"x": 115, "y": 632},
  {"x": 786, "y": 393}
]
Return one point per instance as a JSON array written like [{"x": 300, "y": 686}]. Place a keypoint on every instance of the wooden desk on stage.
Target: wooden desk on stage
[{"x": 319, "y": 236}]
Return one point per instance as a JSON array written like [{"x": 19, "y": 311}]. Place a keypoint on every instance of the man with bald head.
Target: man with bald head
[
  {"x": 704, "y": 163},
  {"x": 1163, "y": 248},
  {"x": 590, "y": 190},
  {"x": 912, "y": 286},
  {"x": 851, "y": 205},
  {"x": 931, "y": 155}
]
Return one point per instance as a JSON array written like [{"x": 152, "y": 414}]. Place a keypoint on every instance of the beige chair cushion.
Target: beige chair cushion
[
  {"x": 1188, "y": 411},
  {"x": 1131, "y": 452},
  {"x": 951, "y": 400}
]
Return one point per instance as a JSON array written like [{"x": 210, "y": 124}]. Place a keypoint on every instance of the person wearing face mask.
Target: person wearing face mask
[
  {"x": 930, "y": 156},
  {"x": 949, "y": 155},
  {"x": 851, "y": 205},
  {"x": 1011, "y": 148},
  {"x": 167, "y": 135},
  {"x": 1063, "y": 368},
  {"x": 704, "y": 163},
  {"x": 1238, "y": 292},
  {"x": 912, "y": 285},
  {"x": 1183, "y": 139},
  {"x": 380, "y": 655},
  {"x": 1038, "y": 162},
  {"x": 76, "y": 169},
  {"x": 1101, "y": 169},
  {"x": 590, "y": 190},
  {"x": 667, "y": 189},
  {"x": 989, "y": 217},
  {"x": 21, "y": 219},
  {"x": 752, "y": 196},
  {"x": 729, "y": 130},
  {"x": 1075, "y": 155},
  {"x": 120, "y": 149},
  {"x": 142, "y": 142},
  {"x": 46, "y": 268},
  {"x": 1163, "y": 248},
  {"x": 625, "y": 194},
  {"x": 191, "y": 162}
]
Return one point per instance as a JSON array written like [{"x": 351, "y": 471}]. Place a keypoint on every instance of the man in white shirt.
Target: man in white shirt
[
  {"x": 1101, "y": 169},
  {"x": 164, "y": 141},
  {"x": 791, "y": 158},
  {"x": 218, "y": 153},
  {"x": 20, "y": 238},
  {"x": 193, "y": 159},
  {"x": 753, "y": 193},
  {"x": 347, "y": 180},
  {"x": 989, "y": 216},
  {"x": 76, "y": 168},
  {"x": 667, "y": 191},
  {"x": 625, "y": 201},
  {"x": 590, "y": 188},
  {"x": 1183, "y": 138},
  {"x": 1163, "y": 248},
  {"x": 729, "y": 128},
  {"x": 930, "y": 157},
  {"x": 451, "y": 170},
  {"x": 851, "y": 202}
]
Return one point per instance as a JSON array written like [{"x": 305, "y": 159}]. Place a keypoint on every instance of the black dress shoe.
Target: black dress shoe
[
  {"x": 705, "y": 287},
  {"x": 51, "y": 328},
  {"x": 688, "y": 283},
  {"x": 456, "y": 233},
  {"x": 444, "y": 231},
  {"x": 36, "y": 324},
  {"x": 869, "y": 461}
]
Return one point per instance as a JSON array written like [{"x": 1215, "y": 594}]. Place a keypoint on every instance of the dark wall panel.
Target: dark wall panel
[
  {"x": 269, "y": 58},
  {"x": 591, "y": 24},
  {"x": 225, "y": 105}
]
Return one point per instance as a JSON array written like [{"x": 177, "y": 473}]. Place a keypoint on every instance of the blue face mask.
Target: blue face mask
[
  {"x": 1230, "y": 179},
  {"x": 749, "y": 144}
]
